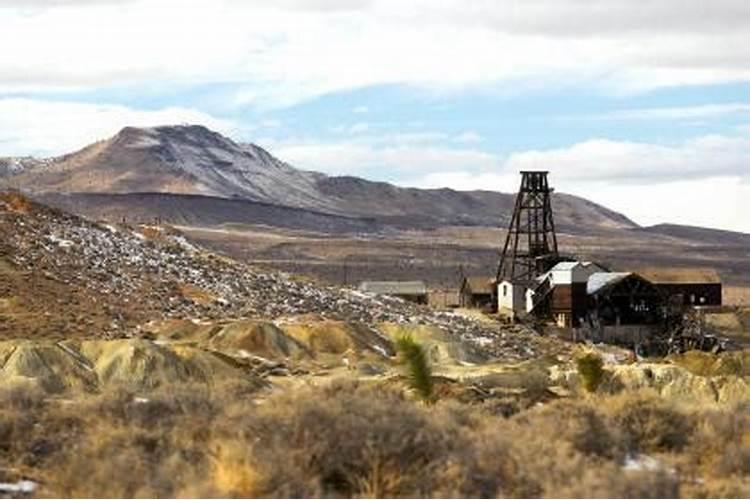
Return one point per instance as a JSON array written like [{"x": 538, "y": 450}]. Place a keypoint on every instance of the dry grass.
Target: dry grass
[
  {"x": 354, "y": 440},
  {"x": 736, "y": 295},
  {"x": 15, "y": 202}
]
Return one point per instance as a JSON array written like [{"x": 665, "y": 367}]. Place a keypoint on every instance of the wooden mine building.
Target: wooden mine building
[
  {"x": 477, "y": 292},
  {"x": 687, "y": 286}
]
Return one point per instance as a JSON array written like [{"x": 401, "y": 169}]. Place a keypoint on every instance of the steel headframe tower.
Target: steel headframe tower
[{"x": 531, "y": 245}]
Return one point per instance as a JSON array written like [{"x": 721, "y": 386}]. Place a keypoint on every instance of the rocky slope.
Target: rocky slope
[
  {"x": 192, "y": 160},
  {"x": 64, "y": 277}
]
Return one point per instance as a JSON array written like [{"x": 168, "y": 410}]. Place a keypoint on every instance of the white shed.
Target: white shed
[{"x": 511, "y": 296}]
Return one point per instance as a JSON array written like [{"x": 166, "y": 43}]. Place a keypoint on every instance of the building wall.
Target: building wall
[
  {"x": 444, "y": 298},
  {"x": 569, "y": 302},
  {"x": 699, "y": 294},
  {"x": 511, "y": 296},
  {"x": 417, "y": 299}
]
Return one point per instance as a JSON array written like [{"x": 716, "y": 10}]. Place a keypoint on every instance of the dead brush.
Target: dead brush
[
  {"x": 16, "y": 202},
  {"x": 648, "y": 423}
]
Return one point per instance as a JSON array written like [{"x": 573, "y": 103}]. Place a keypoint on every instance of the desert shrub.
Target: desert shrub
[
  {"x": 578, "y": 424},
  {"x": 649, "y": 423},
  {"x": 609, "y": 481},
  {"x": 349, "y": 440},
  {"x": 156, "y": 407},
  {"x": 418, "y": 369},
  {"x": 356, "y": 439},
  {"x": 719, "y": 444},
  {"x": 590, "y": 369},
  {"x": 22, "y": 397}
]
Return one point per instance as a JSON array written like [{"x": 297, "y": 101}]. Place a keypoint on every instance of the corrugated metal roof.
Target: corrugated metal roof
[
  {"x": 567, "y": 266},
  {"x": 394, "y": 287},
  {"x": 679, "y": 275},
  {"x": 479, "y": 284},
  {"x": 599, "y": 281}
]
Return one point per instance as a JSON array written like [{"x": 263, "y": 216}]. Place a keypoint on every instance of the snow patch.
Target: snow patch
[{"x": 23, "y": 486}]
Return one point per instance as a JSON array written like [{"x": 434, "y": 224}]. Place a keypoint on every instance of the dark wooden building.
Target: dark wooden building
[
  {"x": 687, "y": 286},
  {"x": 623, "y": 299}
]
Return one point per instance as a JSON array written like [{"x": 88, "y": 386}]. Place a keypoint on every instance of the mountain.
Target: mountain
[
  {"x": 716, "y": 236},
  {"x": 139, "y": 163}
]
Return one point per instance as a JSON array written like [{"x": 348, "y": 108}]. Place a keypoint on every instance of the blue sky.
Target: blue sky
[{"x": 644, "y": 107}]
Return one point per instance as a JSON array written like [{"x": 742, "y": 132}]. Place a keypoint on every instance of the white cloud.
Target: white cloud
[
  {"x": 704, "y": 181},
  {"x": 620, "y": 161},
  {"x": 468, "y": 137},
  {"x": 360, "y": 110},
  {"x": 717, "y": 202},
  {"x": 34, "y": 127},
  {"x": 676, "y": 112},
  {"x": 282, "y": 54}
]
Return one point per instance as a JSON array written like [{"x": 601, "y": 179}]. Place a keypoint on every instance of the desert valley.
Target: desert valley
[{"x": 180, "y": 305}]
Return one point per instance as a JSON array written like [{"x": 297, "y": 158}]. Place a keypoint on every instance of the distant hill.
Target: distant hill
[
  {"x": 195, "y": 161},
  {"x": 715, "y": 236}
]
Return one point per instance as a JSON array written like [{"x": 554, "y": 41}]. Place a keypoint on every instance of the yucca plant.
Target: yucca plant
[
  {"x": 591, "y": 370},
  {"x": 418, "y": 370}
]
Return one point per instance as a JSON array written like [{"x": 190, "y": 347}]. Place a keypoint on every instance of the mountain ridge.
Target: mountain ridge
[{"x": 193, "y": 160}]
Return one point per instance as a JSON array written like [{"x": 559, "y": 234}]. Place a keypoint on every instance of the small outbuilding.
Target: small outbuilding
[
  {"x": 687, "y": 286},
  {"x": 511, "y": 298},
  {"x": 476, "y": 292},
  {"x": 413, "y": 291}
]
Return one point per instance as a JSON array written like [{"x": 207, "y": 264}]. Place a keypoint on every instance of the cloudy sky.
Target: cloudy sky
[{"x": 643, "y": 106}]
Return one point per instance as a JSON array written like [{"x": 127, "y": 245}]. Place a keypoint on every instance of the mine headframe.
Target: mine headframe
[{"x": 531, "y": 244}]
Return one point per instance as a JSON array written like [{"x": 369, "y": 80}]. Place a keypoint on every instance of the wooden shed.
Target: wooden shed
[
  {"x": 476, "y": 291},
  {"x": 687, "y": 286}
]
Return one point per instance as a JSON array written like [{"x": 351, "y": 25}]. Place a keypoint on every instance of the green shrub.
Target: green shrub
[
  {"x": 419, "y": 371},
  {"x": 590, "y": 368}
]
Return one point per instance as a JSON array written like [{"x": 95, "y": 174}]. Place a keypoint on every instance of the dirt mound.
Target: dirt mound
[
  {"x": 338, "y": 338},
  {"x": 237, "y": 338},
  {"x": 93, "y": 365},
  {"x": 261, "y": 338},
  {"x": 680, "y": 385},
  {"x": 441, "y": 347},
  {"x": 53, "y": 367}
]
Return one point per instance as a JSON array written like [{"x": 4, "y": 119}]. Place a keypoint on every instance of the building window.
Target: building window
[{"x": 505, "y": 290}]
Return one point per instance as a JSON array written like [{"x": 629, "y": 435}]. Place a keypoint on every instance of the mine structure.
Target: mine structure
[
  {"x": 638, "y": 308},
  {"x": 531, "y": 244}
]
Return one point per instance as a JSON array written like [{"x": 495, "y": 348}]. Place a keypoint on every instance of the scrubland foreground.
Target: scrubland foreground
[{"x": 348, "y": 438}]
